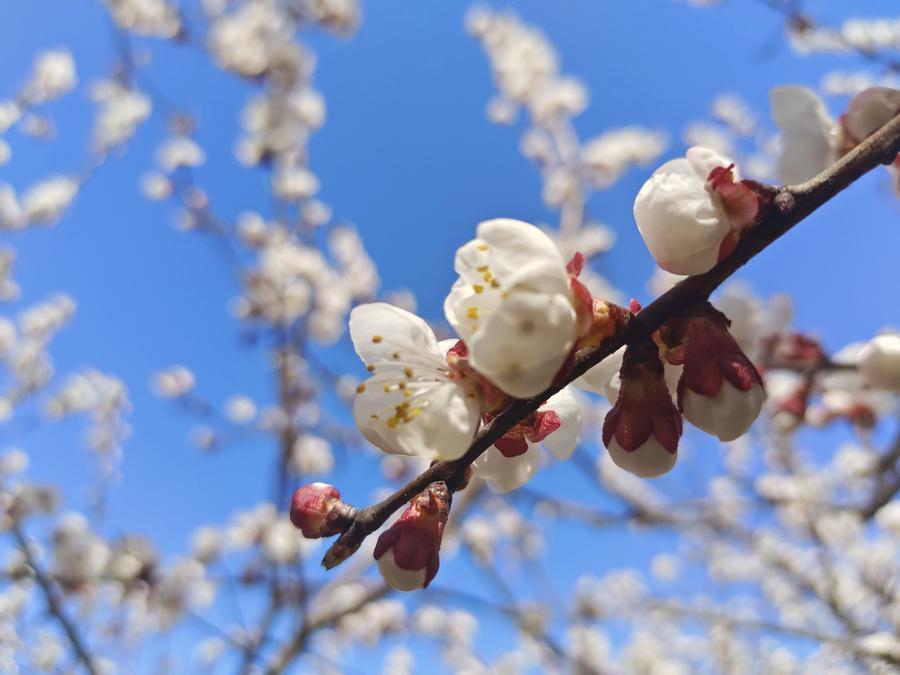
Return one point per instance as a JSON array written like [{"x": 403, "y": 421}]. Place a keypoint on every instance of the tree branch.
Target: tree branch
[
  {"x": 790, "y": 205},
  {"x": 53, "y": 605}
]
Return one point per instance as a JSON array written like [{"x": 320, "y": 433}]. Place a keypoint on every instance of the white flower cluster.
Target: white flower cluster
[
  {"x": 104, "y": 399},
  {"x": 122, "y": 110},
  {"x": 156, "y": 18},
  {"x": 526, "y": 69},
  {"x": 512, "y": 310},
  {"x": 53, "y": 75},
  {"x": 293, "y": 280},
  {"x": 866, "y": 35},
  {"x": 43, "y": 203},
  {"x": 23, "y": 348}
]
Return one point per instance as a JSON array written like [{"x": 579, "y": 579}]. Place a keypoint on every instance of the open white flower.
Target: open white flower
[
  {"x": 511, "y": 306},
  {"x": 681, "y": 218},
  {"x": 515, "y": 459},
  {"x": 809, "y": 137},
  {"x": 411, "y": 405}
]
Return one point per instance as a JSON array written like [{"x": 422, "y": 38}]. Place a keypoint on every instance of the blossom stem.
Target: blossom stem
[{"x": 790, "y": 205}]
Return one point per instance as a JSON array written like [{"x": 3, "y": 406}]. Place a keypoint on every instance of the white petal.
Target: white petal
[
  {"x": 504, "y": 474},
  {"x": 879, "y": 362},
  {"x": 437, "y": 421},
  {"x": 563, "y": 441},
  {"x": 525, "y": 343},
  {"x": 382, "y": 333},
  {"x": 647, "y": 461},
  {"x": 507, "y": 255},
  {"x": 728, "y": 415},
  {"x": 397, "y": 577},
  {"x": 680, "y": 222},
  {"x": 808, "y": 134},
  {"x": 514, "y": 245},
  {"x": 598, "y": 378},
  {"x": 703, "y": 161},
  {"x": 870, "y": 110}
]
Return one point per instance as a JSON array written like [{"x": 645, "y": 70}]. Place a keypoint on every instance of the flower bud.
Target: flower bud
[
  {"x": 720, "y": 390},
  {"x": 870, "y": 110},
  {"x": 317, "y": 510},
  {"x": 689, "y": 207},
  {"x": 642, "y": 430},
  {"x": 408, "y": 551},
  {"x": 879, "y": 362}
]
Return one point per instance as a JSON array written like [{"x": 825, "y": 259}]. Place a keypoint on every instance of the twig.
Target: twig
[
  {"x": 53, "y": 605},
  {"x": 791, "y": 204},
  {"x": 296, "y": 644}
]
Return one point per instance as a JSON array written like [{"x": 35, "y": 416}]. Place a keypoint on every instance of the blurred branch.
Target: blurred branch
[
  {"x": 799, "y": 22},
  {"x": 53, "y": 604}
]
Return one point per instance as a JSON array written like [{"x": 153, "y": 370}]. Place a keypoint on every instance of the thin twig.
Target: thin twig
[{"x": 53, "y": 605}]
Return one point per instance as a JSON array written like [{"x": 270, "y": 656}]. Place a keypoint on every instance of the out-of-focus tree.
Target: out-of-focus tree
[{"x": 782, "y": 559}]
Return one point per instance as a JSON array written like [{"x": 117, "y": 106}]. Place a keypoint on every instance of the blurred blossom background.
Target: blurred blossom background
[{"x": 194, "y": 194}]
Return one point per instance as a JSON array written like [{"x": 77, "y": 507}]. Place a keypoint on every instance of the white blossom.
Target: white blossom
[
  {"x": 53, "y": 74},
  {"x": 157, "y": 18},
  {"x": 680, "y": 220},
  {"x": 410, "y": 405},
  {"x": 511, "y": 306},
  {"x": 504, "y": 473},
  {"x": 879, "y": 361},
  {"x": 45, "y": 202}
]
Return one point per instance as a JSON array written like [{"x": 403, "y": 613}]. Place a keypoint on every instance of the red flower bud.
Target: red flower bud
[
  {"x": 642, "y": 430},
  {"x": 720, "y": 390},
  {"x": 408, "y": 551},
  {"x": 317, "y": 510}
]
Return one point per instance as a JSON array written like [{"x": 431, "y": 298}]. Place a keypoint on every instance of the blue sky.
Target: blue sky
[{"x": 408, "y": 157}]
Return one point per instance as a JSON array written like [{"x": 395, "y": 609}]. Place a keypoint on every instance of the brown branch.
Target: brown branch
[
  {"x": 790, "y": 205},
  {"x": 292, "y": 648},
  {"x": 53, "y": 605}
]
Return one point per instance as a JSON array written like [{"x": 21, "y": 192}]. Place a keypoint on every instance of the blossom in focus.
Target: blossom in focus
[
  {"x": 879, "y": 362},
  {"x": 720, "y": 390},
  {"x": 642, "y": 430},
  {"x": 511, "y": 306},
  {"x": 688, "y": 208},
  {"x": 414, "y": 403},
  {"x": 408, "y": 551},
  {"x": 514, "y": 459}
]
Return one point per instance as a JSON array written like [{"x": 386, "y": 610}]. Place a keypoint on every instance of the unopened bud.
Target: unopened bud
[
  {"x": 317, "y": 510},
  {"x": 408, "y": 551}
]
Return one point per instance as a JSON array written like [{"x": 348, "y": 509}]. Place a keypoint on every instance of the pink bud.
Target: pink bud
[
  {"x": 408, "y": 551},
  {"x": 316, "y": 510},
  {"x": 642, "y": 430},
  {"x": 720, "y": 390}
]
